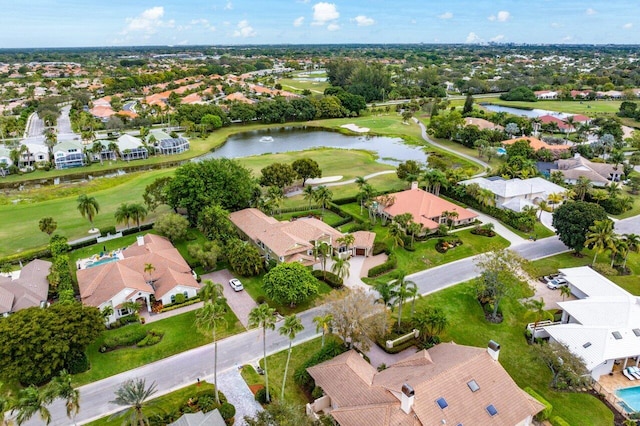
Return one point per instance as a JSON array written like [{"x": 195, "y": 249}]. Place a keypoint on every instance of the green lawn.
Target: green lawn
[
  {"x": 298, "y": 86},
  {"x": 539, "y": 230},
  {"x": 467, "y": 326},
  {"x": 588, "y": 108},
  {"x": 329, "y": 217},
  {"x": 166, "y": 403},
  {"x": 180, "y": 335}
]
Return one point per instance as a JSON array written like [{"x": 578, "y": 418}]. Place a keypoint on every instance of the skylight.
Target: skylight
[
  {"x": 617, "y": 335},
  {"x": 492, "y": 410},
  {"x": 636, "y": 331},
  {"x": 442, "y": 403},
  {"x": 586, "y": 345},
  {"x": 473, "y": 385}
]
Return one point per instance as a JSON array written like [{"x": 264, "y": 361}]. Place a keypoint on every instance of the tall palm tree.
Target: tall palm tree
[
  {"x": 555, "y": 198},
  {"x": 138, "y": 213},
  {"x": 401, "y": 293},
  {"x": 633, "y": 245},
  {"x": 365, "y": 194},
  {"x": 88, "y": 207},
  {"x": 536, "y": 309},
  {"x": 618, "y": 248},
  {"x": 347, "y": 240},
  {"x": 211, "y": 292},
  {"x": 123, "y": 214},
  {"x": 323, "y": 322},
  {"x": 263, "y": 316},
  {"x": 32, "y": 400},
  {"x": 208, "y": 318},
  {"x": 308, "y": 194},
  {"x": 396, "y": 233},
  {"x": 565, "y": 291},
  {"x": 582, "y": 186},
  {"x": 291, "y": 326},
  {"x": 149, "y": 269},
  {"x": 61, "y": 387},
  {"x": 570, "y": 122},
  {"x": 600, "y": 237},
  {"x": 340, "y": 267},
  {"x": 485, "y": 197},
  {"x": 323, "y": 195},
  {"x": 434, "y": 180},
  {"x": 542, "y": 206},
  {"x": 134, "y": 393},
  {"x": 322, "y": 250},
  {"x": 360, "y": 181}
]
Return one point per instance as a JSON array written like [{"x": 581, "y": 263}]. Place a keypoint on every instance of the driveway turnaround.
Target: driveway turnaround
[{"x": 239, "y": 301}]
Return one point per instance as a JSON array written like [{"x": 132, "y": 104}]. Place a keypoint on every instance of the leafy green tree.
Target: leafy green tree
[
  {"x": 408, "y": 170},
  {"x": 290, "y": 283},
  {"x": 155, "y": 194},
  {"x": 7, "y": 403},
  {"x": 278, "y": 175},
  {"x": 521, "y": 93},
  {"x": 521, "y": 148},
  {"x": 537, "y": 311},
  {"x": 47, "y": 225},
  {"x": 53, "y": 334},
  {"x": 214, "y": 223},
  {"x": 173, "y": 226},
  {"x": 244, "y": 258},
  {"x": 134, "y": 395},
  {"x": 222, "y": 181},
  {"x": 291, "y": 326},
  {"x": 323, "y": 322},
  {"x": 445, "y": 126},
  {"x": 567, "y": 368},
  {"x": 210, "y": 122},
  {"x": 572, "y": 221},
  {"x": 264, "y": 317},
  {"x": 208, "y": 319},
  {"x": 600, "y": 237},
  {"x": 306, "y": 168},
  {"x": 88, "y": 207},
  {"x": 280, "y": 413}
]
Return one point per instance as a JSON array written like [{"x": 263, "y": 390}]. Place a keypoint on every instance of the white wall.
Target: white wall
[
  {"x": 602, "y": 369},
  {"x": 166, "y": 299}
]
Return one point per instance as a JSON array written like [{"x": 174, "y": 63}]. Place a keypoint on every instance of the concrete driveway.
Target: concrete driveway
[{"x": 239, "y": 301}]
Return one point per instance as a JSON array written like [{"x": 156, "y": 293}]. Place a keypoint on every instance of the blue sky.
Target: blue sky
[{"x": 69, "y": 23}]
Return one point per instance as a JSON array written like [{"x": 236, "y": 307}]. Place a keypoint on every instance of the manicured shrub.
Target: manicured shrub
[
  {"x": 261, "y": 396},
  {"x": 380, "y": 247},
  {"x": 179, "y": 298},
  {"x": 227, "y": 411},
  {"x": 207, "y": 403},
  {"x": 544, "y": 414},
  {"x": 317, "y": 392},
  {"x": 260, "y": 299},
  {"x": 107, "y": 230},
  {"x": 127, "y": 336},
  {"x": 77, "y": 362},
  {"x": 387, "y": 266},
  {"x": 559, "y": 421},
  {"x": 330, "y": 278},
  {"x": 153, "y": 337}
]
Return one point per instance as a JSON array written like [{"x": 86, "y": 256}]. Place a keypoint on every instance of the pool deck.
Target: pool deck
[
  {"x": 607, "y": 385},
  {"x": 88, "y": 261}
]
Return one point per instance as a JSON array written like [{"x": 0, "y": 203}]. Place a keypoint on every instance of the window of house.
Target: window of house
[
  {"x": 173, "y": 298},
  {"x": 186, "y": 295},
  {"x": 123, "y": 312}
]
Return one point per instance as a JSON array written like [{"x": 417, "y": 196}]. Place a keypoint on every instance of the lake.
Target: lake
[
  {"x": 530, "y": 113},
  {"x": 286, "y": 139}
]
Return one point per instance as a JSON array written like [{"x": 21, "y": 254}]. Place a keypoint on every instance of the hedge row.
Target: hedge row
[
  {"x": 387, "y": 266},
  {"x": 559, "y": 421},
  {"x": 129, "y": 336},
  {"x": 330, "y": 278},
  {"x": 544, "y": 414},
  {"x": 380, "y": 247},
  {"x": 172, "y": 306},
  {"x": 382, "y": 343}
]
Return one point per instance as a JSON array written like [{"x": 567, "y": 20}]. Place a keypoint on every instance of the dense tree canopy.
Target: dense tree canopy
[
  {"x": 572, "y": 221},
  {"x": 244, "y": 258},
  {"x": 219, "y": 180},
  {"x": 306, "y": 168},
  {"x": 213, "y": 221},
  {"x": 290, "y": 283},
  {"x": 278, "y": 175},
  {"x": 36, "y": 343},
  {"x": 172, "y": 225}
]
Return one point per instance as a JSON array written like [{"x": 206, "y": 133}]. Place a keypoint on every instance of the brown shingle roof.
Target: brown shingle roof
[{"x": 28, "y": 290}]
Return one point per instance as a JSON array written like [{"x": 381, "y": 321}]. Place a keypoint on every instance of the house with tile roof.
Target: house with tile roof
[
  {"x": 211, "y": 418},
  {"x": 426, "y": 208},
  {"x": 295, "y": 240},
  {"x": 515, "y": 194},
  {"x": 26, "y": 288},
  {"x": 602, "y": 326},
  {"x": 538, "y": 144},
  {"x": 447, "y": 384},
  {"x": 600, "y": 174},
  {"x": 482, "y": 124},
  {"x": 120, "y": 281}
]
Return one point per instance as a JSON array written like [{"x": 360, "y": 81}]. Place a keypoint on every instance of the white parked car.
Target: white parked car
[
  {"x": 557, "y": 283},
  {"x": 236, "y": 284}
]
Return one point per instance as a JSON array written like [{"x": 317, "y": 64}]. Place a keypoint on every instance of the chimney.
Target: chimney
[
  {"x": 493, "y": 349},
  {"x": 414, "y": 185},
  {"x": 140, "y": 240},
  {"x": 408, "y": 395}
]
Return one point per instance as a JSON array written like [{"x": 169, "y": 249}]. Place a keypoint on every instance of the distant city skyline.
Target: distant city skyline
[{"x": 84, "y": 23}]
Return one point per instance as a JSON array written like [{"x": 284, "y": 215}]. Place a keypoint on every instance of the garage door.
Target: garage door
[{"x": 360, "y": 252}]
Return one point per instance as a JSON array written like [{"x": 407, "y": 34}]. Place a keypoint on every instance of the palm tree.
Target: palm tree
[
  {"x": 323, "y": 251},
  {"x": 618, "y": 248},
  {"x": 614, "y": 189},
  {"x": 536, "y": 309},
  {"x": 308, "y": 194},
  {"x": 323, "y": 322},
  {"x": 61, "y": 387},
  {"x": 291, "y": 326},
  {"x": 123, "y": 214},
  {"x": 276, "y": 196},
  {"x": 207, "y": 319},
  {"x": 401, "y": 293},
  {"x": 340, "y": 267},
  {"x": 134, "y": 393},
  {"x": 6, "y": 405},
  {"x": 149, "y": 269},
  {"x": 413, "y": 293},
  {"x": 555, "y": 198},
  {"x": 263, "y": 316},
  {"x": 414, "y": 228},
  {"x": 600, "y": 237},
  {"x": 88, "y": 207},
  {"x": 47, "y": 225},
  {"x": 599, "y": 195},
  {"x": 138, "y": 213},
  {"x": 485, "y": 197},
  {"x": 396, "y": 233},
  {"x": 582, "y": 186},
  {"x": 364, "y": 195},
  {"x": 50, "y": 140},
  {"x": 32, "y": 400},
  {"x": 323, "y": 195},
  {"x": 347, "y": 240},
  {"x": 570, "y": 122},
  {"x": 434, "y": 180},
  {"x": 542, "y": 206},
  {"x": 633, "y": 245},
  {"x": 565, "y": 291},
  {"x": 211, "y": 292},
  {"x": 360, "y": 181}
]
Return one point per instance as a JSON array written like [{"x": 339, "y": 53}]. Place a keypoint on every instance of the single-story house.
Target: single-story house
[
  {"x": 515, "y": 194},
  {"x": 294, "y": 241},
  {"x": 26, "y": 288},
  {"x": 68, "y": 154},
  {"x": 448, "y": 384},
  {"x": 113, "y": 283},
  {"x": 538, "y": 144},
  {"x": 602, "y": 326},
  {"x": 165, "y": 144},
  {"x": 546, "y": 94},
  {"x": 482, "y": 124},
  {"x": 600, "y": 174},
  {"x": 426, "y": 208},
  {"x": 212, "y": 418}
]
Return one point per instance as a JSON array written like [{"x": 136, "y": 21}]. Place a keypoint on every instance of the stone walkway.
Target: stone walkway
[{"x": 238, "y": 393}]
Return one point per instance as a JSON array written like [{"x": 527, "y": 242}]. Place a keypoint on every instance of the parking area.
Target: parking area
[
  {"x": 239, "y": 301},
  {"x": 551, "y": 297}
]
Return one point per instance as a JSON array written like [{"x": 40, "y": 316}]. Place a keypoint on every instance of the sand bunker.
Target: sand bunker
[{"x": 355, "y": 128}]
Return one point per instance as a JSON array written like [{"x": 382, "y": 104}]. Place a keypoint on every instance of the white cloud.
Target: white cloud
[
  {"x": 567, "y": 39},
  {"x": 413, "y": 21},
  {"x": 324, "y": 12},
  {"x": 244, "y": 30},
  {"x": 298, "y": 21},
  {"x": 501, "y": 16},
  {"x": 228, "y": 6},
  {"x": 446, "y": 15},
  {"x": 555, "y": 25},
  {"x": 200, "y": 22},
  {"x": 147, "y": 21},
  {"x": 473, "y": 38},
  {"x": 627, "y": 26},
  {"x": 333, "y": 27},
  {"x": 590, "y": 11},
  {"x": 498, "y": 38},
  {"x": 364, "y": 21}
]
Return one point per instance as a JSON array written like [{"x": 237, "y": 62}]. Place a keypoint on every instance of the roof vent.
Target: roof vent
[
  {"x": 586, "y": 345},
  {"x": 636, "y": 331},
  {"x": 617, "y": 335}
]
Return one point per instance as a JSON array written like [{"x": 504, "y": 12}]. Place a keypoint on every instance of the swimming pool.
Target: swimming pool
[
  {"x": 102, "y": 261},
  {"x": 501, "y": 151},
  {"x": 630, "y": 398}
]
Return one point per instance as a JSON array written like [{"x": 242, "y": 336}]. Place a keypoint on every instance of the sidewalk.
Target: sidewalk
[{"x": 504, "y": 232}]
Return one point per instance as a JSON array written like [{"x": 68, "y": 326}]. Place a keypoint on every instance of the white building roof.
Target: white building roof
[
  {"x": 592, "y": 283},
  {"x": 517, "y": 187},
  {"x": 129, "y": 142}
]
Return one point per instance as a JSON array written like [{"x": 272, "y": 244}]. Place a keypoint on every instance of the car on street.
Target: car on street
[
  {"x": 557, "y": 283},
  {"x": 236, "y": 284}
]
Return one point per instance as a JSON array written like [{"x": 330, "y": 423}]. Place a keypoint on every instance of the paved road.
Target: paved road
[{"x": 35, "y": 127}]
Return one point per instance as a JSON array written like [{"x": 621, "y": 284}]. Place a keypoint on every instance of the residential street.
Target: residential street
[{"x": 184, "y": 368}]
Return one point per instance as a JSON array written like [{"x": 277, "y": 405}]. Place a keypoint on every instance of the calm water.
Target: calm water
[
  {"x": 532, "y": 113},
  {"x": 390, "y": 150},
  {"x": 631, "y": 397}
]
